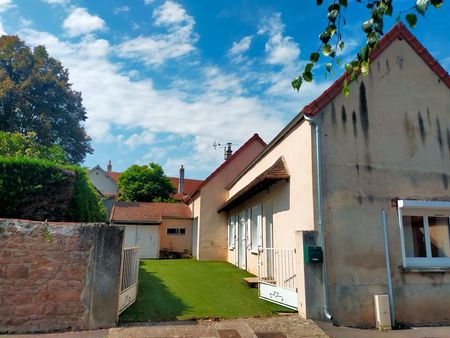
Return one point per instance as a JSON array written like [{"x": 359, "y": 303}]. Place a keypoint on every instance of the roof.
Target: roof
[
  {"x": 189, "y": 186},
  {"x": 114, "y": 175},
  {"x": 254, "y": 138},
  {"x": 398, "y": 31},
  {"x": 148, "y": 213},
  {"x": 277, "y": 172}
]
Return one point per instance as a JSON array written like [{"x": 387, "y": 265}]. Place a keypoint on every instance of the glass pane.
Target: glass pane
[
  {"x": 439, "y": 236},
  {"x": 414, "y": 236}
]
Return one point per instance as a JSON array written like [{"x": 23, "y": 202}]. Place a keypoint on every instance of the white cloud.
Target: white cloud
[
  {"x": 158, "y": 48},
  {"x": 241, "y": 46},
  {"x": 5, "y": 5},
  {"x": 170, "y": 13},
  {"x": 57, "y": 2},
  {"x": 219, "y": 109},
  {"x": 80, "y": 22},
  {"x": 280, "y": 49},
  {"x": 138, "y": 139},
  {"x": 148, "y": 2},
  {"x": 122, "y": 9}
]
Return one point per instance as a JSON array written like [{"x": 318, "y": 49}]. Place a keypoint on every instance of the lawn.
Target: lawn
[{"x": 188, "y": 289}]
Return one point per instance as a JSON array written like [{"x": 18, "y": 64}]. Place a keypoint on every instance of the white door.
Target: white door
[
  {"x": 194, "y": 237},
  {"x": 268, "y": 240},
  {"x": 242, "y": 240},
  {"x": 147, "y": 240}
]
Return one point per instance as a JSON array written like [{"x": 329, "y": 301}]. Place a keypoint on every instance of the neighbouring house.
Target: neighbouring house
[
  {"x": 106, "y": 182},
  {"x": 154, "y": 226},
  {"x": 209, "y": 241},
  {"x": 321, "y": 184}
]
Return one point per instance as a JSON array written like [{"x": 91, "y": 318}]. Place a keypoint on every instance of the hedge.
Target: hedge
[{"x": 42, "y": 190}]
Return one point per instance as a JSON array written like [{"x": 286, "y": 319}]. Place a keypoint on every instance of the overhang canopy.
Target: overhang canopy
[{"x": 277, "y": 172}]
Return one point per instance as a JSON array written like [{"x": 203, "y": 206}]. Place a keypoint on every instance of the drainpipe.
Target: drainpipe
[{"x": 326, "y": 306}]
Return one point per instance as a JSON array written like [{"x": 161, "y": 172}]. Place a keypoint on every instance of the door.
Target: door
[
  {"x": 147, "y": 240},
  {"x": 194, "y": 237},
  {"x": 268, "y": 239},
  {"x": 130, "y": 239},
  {"x": 242, "y": 240}
]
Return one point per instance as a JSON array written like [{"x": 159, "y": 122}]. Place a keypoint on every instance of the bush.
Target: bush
[{"x": 39, "y": 189}]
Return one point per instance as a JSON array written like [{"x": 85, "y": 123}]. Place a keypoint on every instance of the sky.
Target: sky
[{"x": 162, "y": 80}]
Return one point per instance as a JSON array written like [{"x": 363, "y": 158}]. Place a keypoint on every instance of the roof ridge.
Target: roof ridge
[
  {"x": 398, "y": 30},
  {"x": 255, "y": 137}
]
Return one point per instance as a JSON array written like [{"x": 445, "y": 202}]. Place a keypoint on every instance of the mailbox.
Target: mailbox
[{"x": 313, "y": 254}]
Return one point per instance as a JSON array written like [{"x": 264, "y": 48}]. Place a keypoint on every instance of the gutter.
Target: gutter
[{"x": 316, "y": 125}]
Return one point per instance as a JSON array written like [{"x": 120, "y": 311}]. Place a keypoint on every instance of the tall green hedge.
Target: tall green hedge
[{"x": 39, "y": 189}]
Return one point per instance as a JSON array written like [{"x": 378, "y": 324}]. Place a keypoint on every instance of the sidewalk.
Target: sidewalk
[
  {"x": 285, "y": 326},
  {"x": 419, "y": 332}
]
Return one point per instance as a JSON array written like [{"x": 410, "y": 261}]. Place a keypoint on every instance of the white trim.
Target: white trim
[
  {"x": 423, "y": 204},
  {"x": 428, "y": 261}
]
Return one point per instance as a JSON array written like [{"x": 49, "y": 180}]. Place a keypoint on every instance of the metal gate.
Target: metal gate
[
  {"x": 277, "y": 276},
  {"x": 129, "y": 278}
]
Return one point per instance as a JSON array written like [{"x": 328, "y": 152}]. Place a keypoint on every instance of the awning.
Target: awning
[{"x": 277, "y": 172}]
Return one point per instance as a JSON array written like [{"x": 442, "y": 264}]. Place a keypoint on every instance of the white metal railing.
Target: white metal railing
[
  {"x": 129, "y": 279},
  {"x": 130, "y": 267},
  {"x": 277, "y": 267}
]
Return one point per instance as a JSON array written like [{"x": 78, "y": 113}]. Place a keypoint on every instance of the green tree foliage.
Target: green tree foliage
[
  {"x": 36, "y": 96},
  {"x": 331, "y": 40},
  {"x": 17, "y": 144},
  {"x": 146, "y": 183},
  {"x": 39, "y": 189}
]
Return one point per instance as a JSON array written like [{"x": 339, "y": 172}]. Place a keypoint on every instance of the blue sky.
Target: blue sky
[{"x": 162, "y": 80}]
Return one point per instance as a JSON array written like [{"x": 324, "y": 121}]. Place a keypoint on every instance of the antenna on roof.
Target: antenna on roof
[{"x": 227, "y": 152}]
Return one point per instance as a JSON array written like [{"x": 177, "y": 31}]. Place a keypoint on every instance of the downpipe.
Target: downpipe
[{"x": 326, "y": 306}]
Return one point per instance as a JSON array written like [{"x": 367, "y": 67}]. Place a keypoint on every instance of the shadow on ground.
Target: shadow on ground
[{"x": 155, "y": 302}]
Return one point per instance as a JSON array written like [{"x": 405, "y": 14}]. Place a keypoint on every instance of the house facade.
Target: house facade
[
  {"x": 154, "y": 227},
  {"x": 325, "y": 179},
  {"x": 209, "y": 240}
]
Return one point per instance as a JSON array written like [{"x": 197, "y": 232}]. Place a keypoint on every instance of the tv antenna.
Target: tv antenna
[{"x": 227, "y": 152}]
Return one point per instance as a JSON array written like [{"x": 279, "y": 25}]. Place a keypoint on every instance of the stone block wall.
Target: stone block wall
[{"x": 58, "y": 276}]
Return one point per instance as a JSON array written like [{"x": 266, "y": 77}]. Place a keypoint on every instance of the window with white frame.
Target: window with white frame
[
  {"x": 231, "y": 231},
  {"x": 256, "y": 227},
  {"x": 425, "y": 231}
]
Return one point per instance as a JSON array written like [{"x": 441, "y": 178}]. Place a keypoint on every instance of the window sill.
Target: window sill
[{"x": 424, "y": 268}]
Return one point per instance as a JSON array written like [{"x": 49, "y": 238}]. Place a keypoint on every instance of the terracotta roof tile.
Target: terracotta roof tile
[
  {"x": 277, "y": 172},
  {"x": 147, "y": 213},
  {"x": 399, "y": 31}
]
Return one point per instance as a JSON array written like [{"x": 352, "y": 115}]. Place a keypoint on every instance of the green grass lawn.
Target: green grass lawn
[{"x": 188, "y": 289}]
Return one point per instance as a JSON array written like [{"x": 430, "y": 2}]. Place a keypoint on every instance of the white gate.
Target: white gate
[
  {"x": 129, "y": 278},
  {"x": 278, "y": 276}
]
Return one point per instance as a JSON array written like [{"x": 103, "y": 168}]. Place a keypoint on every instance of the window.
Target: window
[
  {"x": 425, "y": 229},
  {"x": 176, "y": 231},
  {"x": 256, "y": 227},
  {"x": 231, "y": 231}
]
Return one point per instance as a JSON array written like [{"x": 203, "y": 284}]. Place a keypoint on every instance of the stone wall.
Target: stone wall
[{"x": 58, "y": 276}]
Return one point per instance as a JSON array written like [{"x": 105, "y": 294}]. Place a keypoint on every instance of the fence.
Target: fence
[{"x": 277, "y": 267}]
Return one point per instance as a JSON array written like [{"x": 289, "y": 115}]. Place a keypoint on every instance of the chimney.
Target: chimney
[
  {"x": 109, "y": 168},
  {"x": 228, "y": 151},
  {"x": 181, "y": 181}
]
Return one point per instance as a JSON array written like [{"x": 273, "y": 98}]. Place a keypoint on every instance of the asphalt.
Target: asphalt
[{"x": 285, "y": 326}]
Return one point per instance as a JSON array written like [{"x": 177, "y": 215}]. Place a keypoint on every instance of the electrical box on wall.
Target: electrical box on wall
[{"x": 313, "y": 254}]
